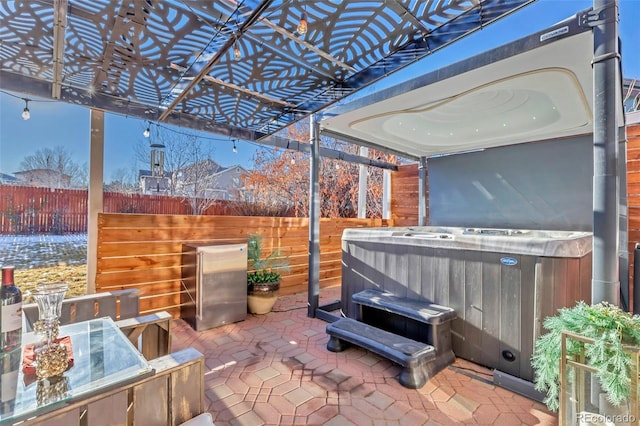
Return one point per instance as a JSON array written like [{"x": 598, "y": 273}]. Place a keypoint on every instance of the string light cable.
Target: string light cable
[
  {"x": 214, "y": 139},
  {"x": 147, "y": 131},
  {"x": 159, "y": 126},
  {"x": 26, "y": 112}
]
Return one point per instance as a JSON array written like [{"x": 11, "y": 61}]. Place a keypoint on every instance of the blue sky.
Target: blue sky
[{"x": 57, "y": 123}]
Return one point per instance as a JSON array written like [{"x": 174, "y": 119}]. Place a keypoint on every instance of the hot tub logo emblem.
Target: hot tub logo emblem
[{"x": 509, "y": 261}]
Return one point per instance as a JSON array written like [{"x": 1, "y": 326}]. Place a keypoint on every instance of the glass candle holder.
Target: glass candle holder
[
  {"x": 52, "y": 357},
  {"x": 49, "y": 299}
]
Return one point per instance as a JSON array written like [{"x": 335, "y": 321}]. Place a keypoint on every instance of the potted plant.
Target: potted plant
[
  {"x": 606, "y": 339},
  {"x": 263, "y": 276}
]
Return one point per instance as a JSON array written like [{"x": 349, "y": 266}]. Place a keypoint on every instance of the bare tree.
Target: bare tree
[
  {"x": 278, "y": 183},
  {"x": 195, "y": 183},
  {"x": 280, "y": 180},
  {"x": 83, "y": 176},
  {"x": 123, "y": 180},
  {"x": 189, "y": 165},
  {"x": 57, "y": 161}
]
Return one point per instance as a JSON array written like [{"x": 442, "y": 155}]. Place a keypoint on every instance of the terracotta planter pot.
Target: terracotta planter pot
[{"x": 261, "y": 297}]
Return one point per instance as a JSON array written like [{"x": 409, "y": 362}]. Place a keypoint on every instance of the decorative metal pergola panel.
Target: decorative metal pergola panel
[{"x": 175, "y": 61}]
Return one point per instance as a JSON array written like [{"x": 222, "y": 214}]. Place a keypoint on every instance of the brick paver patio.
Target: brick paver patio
[{"x": 274, "y": 369}]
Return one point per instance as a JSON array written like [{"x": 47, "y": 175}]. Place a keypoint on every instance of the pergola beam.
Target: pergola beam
[
  {"x": 59, "y": 28},
  {"x": 294, "y": 145},
  {"x": 215, "y": 59},
  {"x": 252, "y": 93},
  {"x": 32, "y": 87},
  {"x": 308, "y": 46}
]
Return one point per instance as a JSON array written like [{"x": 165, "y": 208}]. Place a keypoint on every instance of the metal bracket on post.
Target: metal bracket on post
[{"x": 593, "y": 17}]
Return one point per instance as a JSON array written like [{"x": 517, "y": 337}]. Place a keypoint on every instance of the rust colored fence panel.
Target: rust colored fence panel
[
  {"x": 35, "y": 210},
  {"x": 31, "y": 210}
]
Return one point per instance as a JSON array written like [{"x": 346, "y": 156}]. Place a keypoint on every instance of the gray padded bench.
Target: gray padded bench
[
  {"x": 414, "y": 356},
  {"x": 438, "y": 319}
]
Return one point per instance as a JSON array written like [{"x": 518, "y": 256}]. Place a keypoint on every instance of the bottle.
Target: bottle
[
  {"x": 11, "y": 315},
  {"x": 9, "y": 368}
]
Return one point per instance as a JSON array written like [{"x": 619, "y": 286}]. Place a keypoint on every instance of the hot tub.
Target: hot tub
[{"x": 502, "y": 283}]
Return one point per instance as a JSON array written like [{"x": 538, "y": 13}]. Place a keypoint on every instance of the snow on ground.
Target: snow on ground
[{"x": 35, "y": 251}]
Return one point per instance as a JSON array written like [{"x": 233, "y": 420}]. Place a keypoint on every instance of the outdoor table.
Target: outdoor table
[{"x": 104, "y": 359}]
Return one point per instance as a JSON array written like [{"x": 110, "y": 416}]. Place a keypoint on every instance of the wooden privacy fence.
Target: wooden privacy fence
[
  {"x": 31, "y": 210},
  {"x": 35, "y": 210},
  {"x": 145, "y": 251},
  {"x": 633, "y": 190},
  {"x": 26, "y": 210},
  {"x": 405, "y": 195}
]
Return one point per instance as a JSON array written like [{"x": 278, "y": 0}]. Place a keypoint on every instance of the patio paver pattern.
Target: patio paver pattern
[{"x": 274, "y": 369}]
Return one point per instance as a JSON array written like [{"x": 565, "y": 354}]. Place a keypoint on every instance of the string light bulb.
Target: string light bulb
[
  {"x": 302, "y": 25},
  {"x": 26, "y": 114},
  {"x": 236, "y": 52},
  {"x": 147, "y": 132},
  {"x": 235, "y": 150}
]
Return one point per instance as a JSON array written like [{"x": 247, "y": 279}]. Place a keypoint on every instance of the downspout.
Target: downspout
[
  {"x": 605, "y": 284},
  {"x": 626, "y": 295},
  {"x": 314, "y": 218},
  {"x": 422, "y": 192}
]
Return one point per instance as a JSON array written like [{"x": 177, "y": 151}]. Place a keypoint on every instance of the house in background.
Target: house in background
[
  {"x": 202, "y": 179},
  {"x": 47, "y": 178},
  {"x": 6, "y": 179},
  {"x": 228, "y": 184}
]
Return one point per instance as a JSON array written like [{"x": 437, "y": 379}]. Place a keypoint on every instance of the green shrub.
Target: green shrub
[
  {"x": 610, "y": 328},
  {"x": 263, "y": 269}
]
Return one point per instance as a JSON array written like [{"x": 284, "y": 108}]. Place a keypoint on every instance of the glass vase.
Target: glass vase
[{"x": 51, "y": 357}]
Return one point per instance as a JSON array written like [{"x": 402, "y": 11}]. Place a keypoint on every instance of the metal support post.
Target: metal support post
[
  {"x": 362, "y": 185},
  {"x": 314, "y": 218},
  {"x": 422, "y": 192},
  {"x": 96, "y": 167},
  {"x": 605, "y": 286}
]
